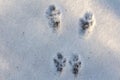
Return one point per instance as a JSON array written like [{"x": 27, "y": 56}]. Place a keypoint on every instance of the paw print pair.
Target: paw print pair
[
  {"x": 60, "y": 63},
  {"x": 54, "y": 17}
]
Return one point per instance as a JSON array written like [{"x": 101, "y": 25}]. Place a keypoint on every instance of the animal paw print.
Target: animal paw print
[
  {"x": 54, "y": 17},
  {"x": 60, "y": 62},
  {"x": 87, "y": 22},
  {"x": 75, "y": 64}
]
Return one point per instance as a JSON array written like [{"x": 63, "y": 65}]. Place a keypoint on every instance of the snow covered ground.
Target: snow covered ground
[{"x": 28, "y": 44}]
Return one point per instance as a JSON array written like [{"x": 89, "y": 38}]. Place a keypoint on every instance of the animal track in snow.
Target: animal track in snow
[
  {"x": 87, "y": 23},
  {"x": 75, "y": 64},
  {"x": 60, "y": 62},
  {"x": 54, "y": 17}
]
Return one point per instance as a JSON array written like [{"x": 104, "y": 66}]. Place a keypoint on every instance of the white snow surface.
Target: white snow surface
[{"x": 28, "y": 44}]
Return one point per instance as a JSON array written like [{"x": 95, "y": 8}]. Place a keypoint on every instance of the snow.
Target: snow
[{"x": 28, "y": 44}]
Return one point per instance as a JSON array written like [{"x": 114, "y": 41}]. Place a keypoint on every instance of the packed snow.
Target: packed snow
[{"x": 28, "y": 44}]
